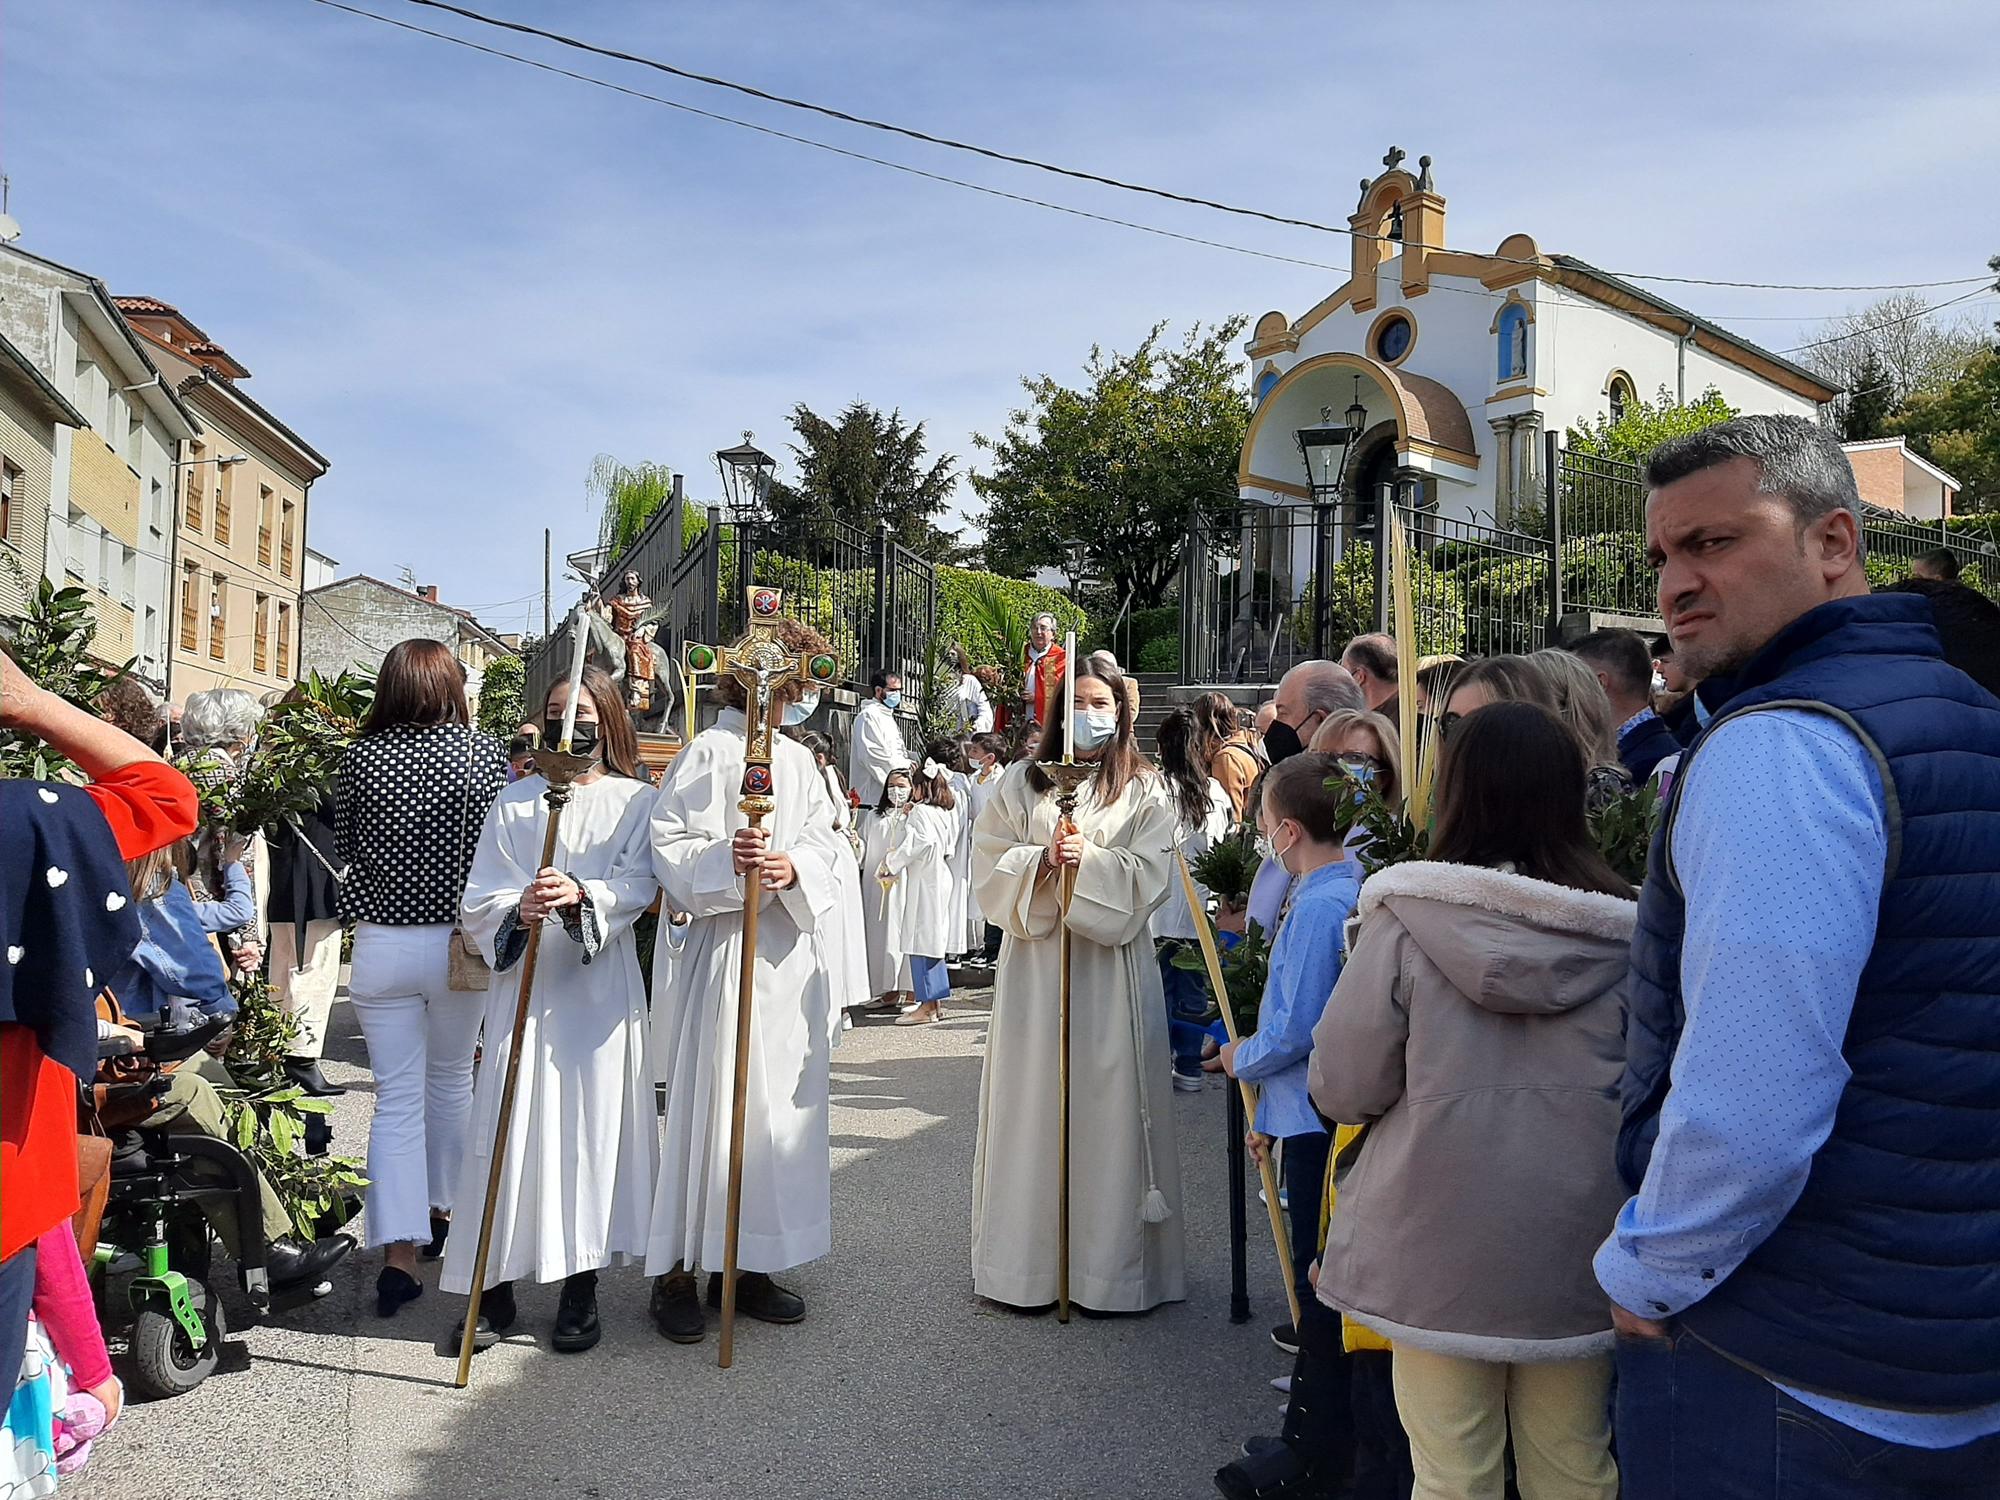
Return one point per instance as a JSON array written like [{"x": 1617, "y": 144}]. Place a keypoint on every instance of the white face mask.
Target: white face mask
[
  {"x": 899, "y": 796},
  {"x": 1095, "y": 727},
  {"x": 805, "y": 708},
  {"x": 1659, "y": 683}
]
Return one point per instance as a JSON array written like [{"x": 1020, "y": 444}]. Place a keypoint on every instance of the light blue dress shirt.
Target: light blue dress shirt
[
  {"x": 1305, "y": 962},
  {"x": 1781, "y": 845}
]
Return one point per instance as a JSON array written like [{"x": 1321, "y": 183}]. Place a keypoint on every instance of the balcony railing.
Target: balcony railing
[{"x": 263, "y": 546}]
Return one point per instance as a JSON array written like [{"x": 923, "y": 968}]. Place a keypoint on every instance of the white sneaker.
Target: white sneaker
[
  {"x": 1282, "y": 1384},
  {"x": 1188, "y": 1083}
]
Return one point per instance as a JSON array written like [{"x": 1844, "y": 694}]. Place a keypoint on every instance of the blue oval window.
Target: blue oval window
[{"x": 1392, "y": 340}]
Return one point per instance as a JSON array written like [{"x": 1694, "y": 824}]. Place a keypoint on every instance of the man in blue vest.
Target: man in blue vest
[{"x": 1806, "y": 1282}]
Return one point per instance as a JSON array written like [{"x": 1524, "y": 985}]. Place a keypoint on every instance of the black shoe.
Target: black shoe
[
  {"x": 496, "y": 1315},
  {"x": 1276, "y": 1473},
  {"x": 304, "y": 1071},
  {"x": 290, "y": 1264},
  {"x": 1256, "y": 1445},
  {"x": 577, "y": 1328},
  {"x": 677, "y": 1309},
  {"x": 440, "y": 1231},
  {"x": 1286, "y": 1338},
  {"x": 759, "y": 1297},
  {"x": 392, "y": 1289}
]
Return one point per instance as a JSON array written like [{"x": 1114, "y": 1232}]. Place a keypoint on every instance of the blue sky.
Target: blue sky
[{"x": 461, "y": 279}]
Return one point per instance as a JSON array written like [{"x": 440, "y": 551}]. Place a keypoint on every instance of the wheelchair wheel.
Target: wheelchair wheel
[{"x": 165, "y": 1363}]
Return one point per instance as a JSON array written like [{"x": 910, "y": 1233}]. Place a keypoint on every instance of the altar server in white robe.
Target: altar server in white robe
[
  {"x": 921, "y": 904},
  {"x": 1127, "y": 1246},
  {"x": 888, "y": 975},
  {"x": 582, "y": 1151},
  {"x": 985, "y": 757},
  {"x": 949, "y": 757},
  {"x": 706, "y": 857},
  {"x": 844, "y": 934}
]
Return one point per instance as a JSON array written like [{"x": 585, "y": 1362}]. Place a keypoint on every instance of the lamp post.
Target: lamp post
[
  {"x": 746, "y": 472},
  {"x": 1328, "y": 451}
]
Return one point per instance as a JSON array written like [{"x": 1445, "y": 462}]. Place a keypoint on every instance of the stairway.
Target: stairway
[{"x": 1161, "y": 692}]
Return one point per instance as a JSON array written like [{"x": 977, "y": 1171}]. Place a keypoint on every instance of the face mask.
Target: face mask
[
  {"x": 1281, "y": 742},
  {"x": 1659, "y": 684},
  {"x": 898, "y": 796},
  {"x": 805, "y": 708},
  {"x": 1096, "y": 727},
  {"x": 892, "y": 700},
  {"x": 583, "y": 739}
]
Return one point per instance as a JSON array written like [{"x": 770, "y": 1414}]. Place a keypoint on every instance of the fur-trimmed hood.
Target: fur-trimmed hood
[{"x": 1507, "y": 942}]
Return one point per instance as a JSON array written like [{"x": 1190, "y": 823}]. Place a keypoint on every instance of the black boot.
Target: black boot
[
  {"x": 440, "y": 1231},
  {"x": 759, "y": 1297},
  {"x": 289, "y": 1263},
  {"x": 304, "y": 1071},
  {"x": 577, "y": 1328},
  {"x": 677, "y": 1308},
  {"x": 496, "y": 1315}
]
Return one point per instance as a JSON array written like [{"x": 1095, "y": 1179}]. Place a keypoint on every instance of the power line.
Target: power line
[
  {"x": 1922, "y": 312},
  {"x": 1034, "y": 164}
]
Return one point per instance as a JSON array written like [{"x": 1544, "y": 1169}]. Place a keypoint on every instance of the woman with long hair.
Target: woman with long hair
[
  {"x": 1226, "y": 749},
  {"x": 582, "y": 1151},
  {"x": 413, "y": 795},
  {"x": 1478, "y": 1033},
  {"x": 1583, "y": 704},
  {"x": 1202, "y": 817},
  {"x": 1127, "y": 1248}
]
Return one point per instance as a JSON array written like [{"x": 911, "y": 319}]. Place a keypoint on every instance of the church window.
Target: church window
[{"x": 1393, "y": 339}]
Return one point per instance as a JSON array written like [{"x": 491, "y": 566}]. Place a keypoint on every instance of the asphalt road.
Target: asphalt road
[{"x": 899, "y": 1383}]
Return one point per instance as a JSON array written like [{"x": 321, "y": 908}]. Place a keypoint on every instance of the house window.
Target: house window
[
  {"x": 225, "y": 486},
  {"x": 261, "y": 653},
  {"x": 156, "y": 509},
  {"x": 1513, "y": 338},
  {"x": 263, "y": 526},
  {"x": 1621, "y": 395},
  {"x": 9, "y": 477},
  {"x": 190, "y": 608},
  {"x": 218, "y": 615},
  {"x": 285, "y": 541},
  {"x": 285, "y": 641},
  {"x": 191, "y": 485}
]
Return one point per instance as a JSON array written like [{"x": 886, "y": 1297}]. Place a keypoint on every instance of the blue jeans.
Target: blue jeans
[
  {"x": 930, "y": 978},
  {"x": 1187, "y": 1003},
  {"x": 1693, "y": 1425}
]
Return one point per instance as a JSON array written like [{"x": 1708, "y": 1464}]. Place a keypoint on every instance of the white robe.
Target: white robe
[
  {"x": 583, "y": 1150},
  {"x": 1174, "y": 919},
  {"x": 919, "y": 913},
  {"x": 875, "y": 748},
  {"x": 959, "y": 863},
  {"x": 844, "y": 933},
  {"x": 787, "y": 1209},
  {"x": 1127, "y": 1247},
  {"x": 979, "y": 791},
  {"x": 885, "y": 960}
]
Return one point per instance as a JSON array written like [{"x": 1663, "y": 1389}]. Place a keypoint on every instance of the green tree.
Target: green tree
[
  {"x": 500, "y": 695},
  {"x": 1958, "y": 429},
  {"x": 1870, "y": 402},
  {"x": 53, "y": 644},
  {"x": 626, "y": 498},
  {"x": 1121, "y": 462},
  {"x": 1647, "y": 424},
  {"x": 865, "y": 467}
]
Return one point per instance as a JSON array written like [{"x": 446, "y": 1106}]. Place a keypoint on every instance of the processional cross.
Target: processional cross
[{"x": 760, "y": 662}]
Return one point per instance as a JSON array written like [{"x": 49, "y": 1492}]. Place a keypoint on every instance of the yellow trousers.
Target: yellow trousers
[{"x": 1458, "y": 1413}]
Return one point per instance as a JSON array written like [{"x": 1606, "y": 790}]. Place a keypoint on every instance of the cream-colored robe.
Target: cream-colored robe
[
  {"x": 1127, "y": 1249},
  {"x": 787, "y": 1206}
]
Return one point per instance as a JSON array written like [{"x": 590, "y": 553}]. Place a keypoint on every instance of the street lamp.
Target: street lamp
[
  {"x": 222, "y": 462},
  {"x": 1077, "y": 551},
  {"x": 1328, "y": 449},
  {"x": 746, "y": 475}
]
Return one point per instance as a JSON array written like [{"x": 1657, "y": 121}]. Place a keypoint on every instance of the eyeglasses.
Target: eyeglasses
[
  {"x": 1359, "y": 764},
  {"x": 1448, "y": 723}
]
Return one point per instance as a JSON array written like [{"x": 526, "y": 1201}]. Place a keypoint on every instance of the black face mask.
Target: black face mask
[
  {"x": 583, "y": 738},
  {"x": 1281, "y": 742}
]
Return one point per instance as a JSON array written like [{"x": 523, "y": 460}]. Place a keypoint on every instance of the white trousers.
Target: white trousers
[
  {"x": 306, "y": 980},
  {"x": 420, "y": 1035}
]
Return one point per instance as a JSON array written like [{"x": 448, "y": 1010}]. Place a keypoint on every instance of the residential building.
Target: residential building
[
  {"x": 32, "y": 410},
  {"x": 245, "y": 485},
  {"x": 320, "y": 569},
  {"x": 1888, "y": 474},
  {"x": 352, "y": 622},
  {"x": 111, "y": 483}
]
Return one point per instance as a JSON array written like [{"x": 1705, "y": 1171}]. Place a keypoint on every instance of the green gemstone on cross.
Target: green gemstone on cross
[
  {"x": 822, "y": 668},
  {"x": 701, "y": 658}
]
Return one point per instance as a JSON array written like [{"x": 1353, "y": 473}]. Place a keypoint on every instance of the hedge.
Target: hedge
[{"x": 958, "y": 626}]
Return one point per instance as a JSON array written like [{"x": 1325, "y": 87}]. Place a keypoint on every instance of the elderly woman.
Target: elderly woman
[{"x": 218, "y": 727}]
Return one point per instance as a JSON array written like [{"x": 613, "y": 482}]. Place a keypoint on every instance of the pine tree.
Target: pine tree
[{"x": 1870, "y": 402}]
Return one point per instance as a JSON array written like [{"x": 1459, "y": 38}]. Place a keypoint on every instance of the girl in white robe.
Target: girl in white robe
[
  {"x": 581, "y": 1155},
  {"x": 921, "y": 914},
  {"x": 943, "y": 758},
  {"x": 845, "y": 933},
  {"x": 888, "y": 977},
  {"x": 984, "y": 753},
  {"x": 706, "y": 859},
  {"x": 1127, "y": 1250}
]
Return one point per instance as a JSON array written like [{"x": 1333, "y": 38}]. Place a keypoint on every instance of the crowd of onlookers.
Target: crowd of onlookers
[{"x": 1689, "y": 1185}]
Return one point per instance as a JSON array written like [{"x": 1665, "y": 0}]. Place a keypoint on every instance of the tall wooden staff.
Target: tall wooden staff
[
  {"x": 560, "y": 769},
  {"x": 1268, "y": 1172},
  {"x": 1069, "y": 776},
  {"x": 760, "y": 662}
]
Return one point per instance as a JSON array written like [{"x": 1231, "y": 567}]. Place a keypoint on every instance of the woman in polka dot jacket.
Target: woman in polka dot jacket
[{"x": 413, "y": 794}]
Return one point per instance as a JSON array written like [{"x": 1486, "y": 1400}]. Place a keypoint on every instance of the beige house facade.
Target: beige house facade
[
  {"x": 31, "y": 411},
  {"x": 240, "y": 540}
]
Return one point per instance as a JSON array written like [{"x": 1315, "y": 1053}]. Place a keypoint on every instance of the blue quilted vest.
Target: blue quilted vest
[{"x": 1882, "y": 1285}]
